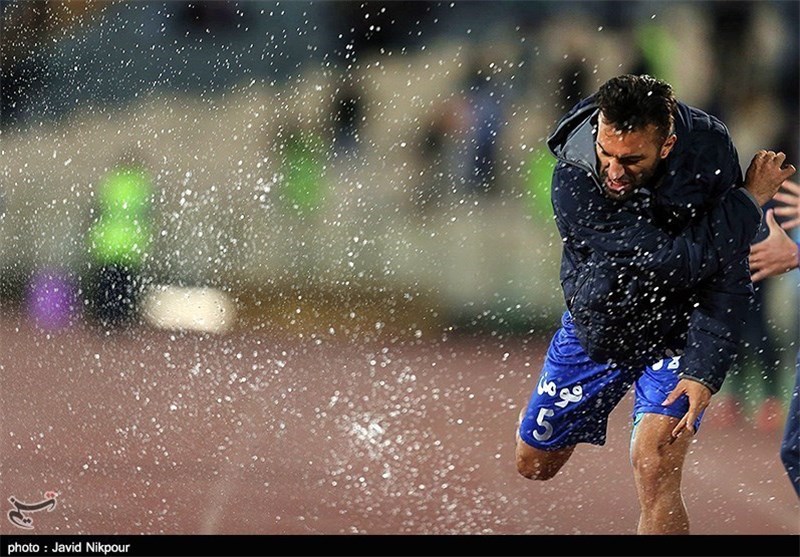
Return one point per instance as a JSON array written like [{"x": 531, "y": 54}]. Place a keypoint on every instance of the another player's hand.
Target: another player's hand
[
  {"x": 699, "y": 396},
  {"x": 789, "y": 195},
  {"x": 765, "y": 175},
  {"x": 775, "y": 255}
]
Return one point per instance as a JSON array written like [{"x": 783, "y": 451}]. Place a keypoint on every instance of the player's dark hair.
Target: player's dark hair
[{"x": 632, "y": 102}]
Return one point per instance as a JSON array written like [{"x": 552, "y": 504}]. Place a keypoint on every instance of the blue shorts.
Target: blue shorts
[{"x": 574, "y": 395}]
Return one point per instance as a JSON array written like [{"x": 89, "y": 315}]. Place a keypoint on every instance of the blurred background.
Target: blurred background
[
  {"x": 351, "y": 170},
  {"x": 380, "y": 156}
]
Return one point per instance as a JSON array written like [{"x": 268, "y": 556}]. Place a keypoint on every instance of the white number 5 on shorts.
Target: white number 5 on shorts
[{"x": 548, "y": 429}]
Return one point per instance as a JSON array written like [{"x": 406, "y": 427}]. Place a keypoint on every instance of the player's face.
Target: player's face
[{"x": 628, "y": 159}]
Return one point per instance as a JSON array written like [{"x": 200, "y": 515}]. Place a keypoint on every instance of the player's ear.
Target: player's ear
[{"x": 667, "y": 146}]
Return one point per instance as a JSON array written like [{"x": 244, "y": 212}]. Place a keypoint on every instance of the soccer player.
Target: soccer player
[
  {"x": 775, "y": 255},
  {"x": 656, "y": 222}
]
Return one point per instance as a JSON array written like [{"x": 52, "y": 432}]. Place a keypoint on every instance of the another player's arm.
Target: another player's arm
[
  {"x": 789, "y": 196},
  {"x": 778, "y": 253}
]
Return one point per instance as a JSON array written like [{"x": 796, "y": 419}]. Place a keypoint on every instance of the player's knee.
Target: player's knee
[{"x": 534, "y": 468}]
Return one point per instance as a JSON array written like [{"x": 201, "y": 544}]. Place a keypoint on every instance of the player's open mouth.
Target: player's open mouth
[{"x": 617, "y": 186}]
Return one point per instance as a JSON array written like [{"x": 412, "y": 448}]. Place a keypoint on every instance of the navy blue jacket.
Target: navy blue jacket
[{"x": 664, "y": 272}]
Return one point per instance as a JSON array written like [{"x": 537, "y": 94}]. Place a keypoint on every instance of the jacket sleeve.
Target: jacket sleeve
[
  {"x": 716, "y": 325},
  {"x": 717, "y": 322}
]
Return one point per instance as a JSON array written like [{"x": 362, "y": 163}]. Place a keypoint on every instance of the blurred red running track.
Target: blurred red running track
[{"x": 156, "y": 432}]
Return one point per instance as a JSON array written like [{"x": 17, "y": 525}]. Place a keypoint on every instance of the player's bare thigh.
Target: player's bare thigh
[{"x": 536, "y": 464}]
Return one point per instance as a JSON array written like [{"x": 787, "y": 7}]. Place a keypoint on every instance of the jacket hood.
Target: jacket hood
[{"x": 572, "y": 141}]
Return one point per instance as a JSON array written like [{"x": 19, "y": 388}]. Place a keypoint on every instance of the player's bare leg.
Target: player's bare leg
[
  {"x": 657, "y": 468},
  {"x": 536, "y": 464}
]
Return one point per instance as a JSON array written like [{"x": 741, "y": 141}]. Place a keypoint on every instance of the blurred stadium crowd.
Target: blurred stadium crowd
[{"x": 342, "y": 154}]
